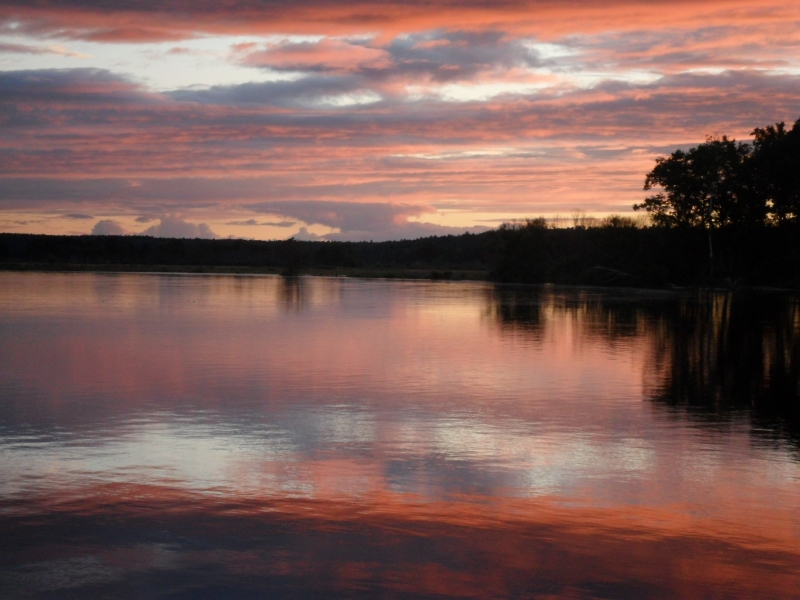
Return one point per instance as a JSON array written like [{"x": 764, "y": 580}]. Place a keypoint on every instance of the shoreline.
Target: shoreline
[
  {"x": 356, "y": 272},
  {"x": 352, "y": 272}
]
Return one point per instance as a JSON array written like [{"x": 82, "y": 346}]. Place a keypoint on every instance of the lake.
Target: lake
[{"x": 176, "y": 436}]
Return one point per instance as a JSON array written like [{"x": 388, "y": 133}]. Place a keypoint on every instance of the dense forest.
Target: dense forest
[{"x": 725, "y": 213}]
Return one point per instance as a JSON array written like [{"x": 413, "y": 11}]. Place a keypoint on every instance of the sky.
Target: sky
[{"x": 367, "y": 119}]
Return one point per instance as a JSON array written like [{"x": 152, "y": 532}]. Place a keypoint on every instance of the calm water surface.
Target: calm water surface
[{"x": 166, "y": 436}]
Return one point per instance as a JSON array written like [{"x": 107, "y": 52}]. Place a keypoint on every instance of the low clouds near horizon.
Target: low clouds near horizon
[
  {"x": 426, "y": 118},
  {"x": 167, "y": 227},
  {"x": 361, "y": 222},
  {"x": 349, "y": 222}
]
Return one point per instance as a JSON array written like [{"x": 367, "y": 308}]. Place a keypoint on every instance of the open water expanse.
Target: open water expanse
[{"x": 231, "y": 437}]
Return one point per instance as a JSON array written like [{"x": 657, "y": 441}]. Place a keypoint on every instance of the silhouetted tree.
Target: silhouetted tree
[
  {"x": 776, "y": 170},
  {"x": 707, "y": 186},
  {"x": 618, "y": 221}
]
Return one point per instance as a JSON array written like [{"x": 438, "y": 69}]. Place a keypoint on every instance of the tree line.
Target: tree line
[{"x": 531, "y": 252}]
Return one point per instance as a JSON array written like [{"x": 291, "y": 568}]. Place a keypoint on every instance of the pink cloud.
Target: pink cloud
[
  {"x": 524, "y": 106},
  {"x": 176, "y": 19},
  {"x": 91, "y": 135},
  {"x": 325, "y": 55}
]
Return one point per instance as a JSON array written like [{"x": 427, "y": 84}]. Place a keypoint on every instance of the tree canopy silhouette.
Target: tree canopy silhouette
[
  {"x": 723, "y": 182},
  {"x": 776, "y": 168}
]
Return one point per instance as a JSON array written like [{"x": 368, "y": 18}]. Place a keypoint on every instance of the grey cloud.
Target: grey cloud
[
  {"x": 249, "y": 222},
  {"x": 145, "y": 219},
  {"x": 20, "y": 222},
  {"x": 175, "y": 227},
  {"x": 301, "y": 168},
  {"x": 682, "y": 48},
  {"x": 404, "y": 231},
  {"x": 108, "y": 227},
  {"x": 305, "y": 92},
  {"x": 574, "y": 114},
  {"x": 89, "y": 86},
  {"x": 343, "y": 215},
  {"x": 453, "y": 55},
  {"x": 78, "y": 216},
  {"x": 253, "y": 222},
  {"x": 361, "y": 221},
  {"x": 153, "y": 197},
  {"x": 304, "y": 235},
  {"x": 436, "y": 55},
  {"x": 165, "y": 196}
]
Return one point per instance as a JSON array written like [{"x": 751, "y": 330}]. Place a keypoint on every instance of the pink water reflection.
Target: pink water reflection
[{"x": 404, "y": 437}]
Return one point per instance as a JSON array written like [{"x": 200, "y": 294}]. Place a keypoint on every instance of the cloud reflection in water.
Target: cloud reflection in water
[{"x": 220, "y": 436}]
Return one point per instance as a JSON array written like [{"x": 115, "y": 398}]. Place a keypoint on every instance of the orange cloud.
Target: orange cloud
[
  {"x": 91, "y": 134},
  {"x": 523, "y": 106},
  {"x": 130, "y": 21}
]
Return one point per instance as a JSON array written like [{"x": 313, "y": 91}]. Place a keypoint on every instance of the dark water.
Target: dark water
[{"x": 253, "y": 437}]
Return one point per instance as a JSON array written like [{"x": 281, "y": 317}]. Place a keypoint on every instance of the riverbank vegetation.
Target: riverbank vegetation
[{"x": 529, "y": 252}]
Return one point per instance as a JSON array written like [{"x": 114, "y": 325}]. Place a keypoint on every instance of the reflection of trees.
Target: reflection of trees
[
  {"x": 293, "y": 293},
  {"x": 710, "y": 356},
  {"x": 610, "y": 315},
  {"x": 721, "y": 353},
  {"x": 517, "y": 308}
]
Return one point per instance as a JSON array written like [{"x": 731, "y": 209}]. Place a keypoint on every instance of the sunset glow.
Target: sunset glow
[{"x": 367, "y": 120}]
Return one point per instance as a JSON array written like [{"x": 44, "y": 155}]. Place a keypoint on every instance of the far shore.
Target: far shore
[
  {"x": 626, "y": 257},
  {"x": 375, "y": 273},
  {"x": 358, "y": 273}
]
